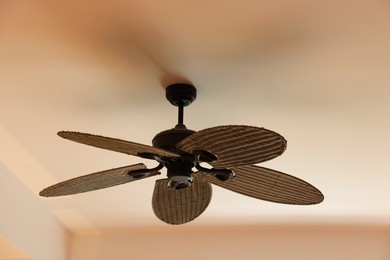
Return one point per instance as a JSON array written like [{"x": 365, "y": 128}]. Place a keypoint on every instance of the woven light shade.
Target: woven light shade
[
  {"x": 95, "y": 181},
  {"x": 235, "y": 145},
  {"x": 181, "y": 206},
  {"x": 270, "y": 185}
]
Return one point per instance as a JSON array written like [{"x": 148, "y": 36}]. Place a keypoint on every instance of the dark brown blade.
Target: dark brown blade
[
  {"x": 116, "y": 145},
  {"x": 235, "y": 145},
  {"x": 97, "y": 180},
  {"x": 181, "y": 206},
  {"x": 270, "y": 185}
]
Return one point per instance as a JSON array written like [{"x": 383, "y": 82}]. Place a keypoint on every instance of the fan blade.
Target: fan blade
[
  {"x": 181, "y": 206},
  {"x": 270, "y": 185},
  {"x": 235, "y": 145},
  {"x": 98, "y": 180},
  {"x": 117, "y": 145}
]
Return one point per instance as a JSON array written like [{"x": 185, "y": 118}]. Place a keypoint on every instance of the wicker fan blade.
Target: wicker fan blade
[
  {"x": 98, "y": 180},
  {"x": 116, "y": 144},
  {"x": 235, "y": 145},
  {"x": 181, "y": 206},
  {"x": 270, "y": 185}
]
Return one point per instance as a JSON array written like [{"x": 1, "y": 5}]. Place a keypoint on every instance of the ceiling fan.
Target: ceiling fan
[{"x": 231, "y": 151}]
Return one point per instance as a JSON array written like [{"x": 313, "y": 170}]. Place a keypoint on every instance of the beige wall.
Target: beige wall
[
  {"x": 246, "y": 242},
  {"x": 26, "y": 223}
]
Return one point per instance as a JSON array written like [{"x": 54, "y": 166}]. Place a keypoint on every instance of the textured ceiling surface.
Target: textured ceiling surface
[{"x": 315, "y": 72}]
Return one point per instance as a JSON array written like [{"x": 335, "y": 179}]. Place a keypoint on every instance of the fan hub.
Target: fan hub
[{"x": 179, "y": 173}]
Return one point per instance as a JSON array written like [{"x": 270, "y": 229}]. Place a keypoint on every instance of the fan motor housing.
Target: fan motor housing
[{"x": 169, "y": 138}]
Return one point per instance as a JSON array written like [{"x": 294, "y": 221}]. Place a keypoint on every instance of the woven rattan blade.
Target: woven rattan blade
[
  {"x": 181, "y": 206},
  {"x": 96, "y": 181},
  {"x": 270, "y": 185},
  {"x": 116, "y": 145},
  {"x": 235, "y": 145}
]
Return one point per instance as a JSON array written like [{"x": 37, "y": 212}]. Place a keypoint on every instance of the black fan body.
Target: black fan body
[{"x": 231, "y": 151}]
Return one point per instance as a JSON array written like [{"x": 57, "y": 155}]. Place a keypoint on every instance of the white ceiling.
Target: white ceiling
[{"x": 317, "y": 72}]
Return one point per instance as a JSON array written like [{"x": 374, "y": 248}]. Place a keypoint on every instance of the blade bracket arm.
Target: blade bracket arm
[
  {"x": 143, "y": 173},
  {"x": 151, "y": 156},
  {"x": 220, "y": 174}
]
